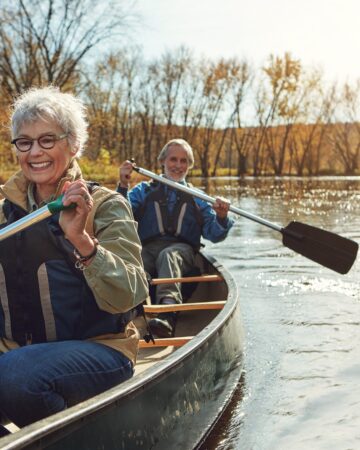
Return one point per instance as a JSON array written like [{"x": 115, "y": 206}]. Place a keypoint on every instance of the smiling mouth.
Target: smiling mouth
[{"x": 40, "y": 165}]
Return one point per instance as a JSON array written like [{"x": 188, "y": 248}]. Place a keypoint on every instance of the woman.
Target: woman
[
  {"x": 171, "y": 225},
  {"x": 67, "y": 284}
]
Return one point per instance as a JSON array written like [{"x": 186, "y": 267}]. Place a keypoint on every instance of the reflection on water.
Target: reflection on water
[{"x": 300, "y": 387}]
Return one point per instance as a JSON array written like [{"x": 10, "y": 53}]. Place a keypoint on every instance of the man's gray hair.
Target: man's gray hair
[
  {"x": 48, "y": 103},
  {"x": 184, "y": 144}
]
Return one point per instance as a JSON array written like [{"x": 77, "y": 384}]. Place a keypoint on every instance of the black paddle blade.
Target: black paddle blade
[{"x": 326, "y": 248}]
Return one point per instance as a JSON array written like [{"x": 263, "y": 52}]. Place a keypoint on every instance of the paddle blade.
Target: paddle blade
[{"x": 326, "y": 248}]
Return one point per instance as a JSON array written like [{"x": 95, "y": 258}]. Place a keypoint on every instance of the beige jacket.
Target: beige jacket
[{"x": 115, "y": 275}]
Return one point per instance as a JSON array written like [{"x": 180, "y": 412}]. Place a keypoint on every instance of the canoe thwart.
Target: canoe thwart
[
  {"x": 197, "y": 279},
  {"x": 165, "y": 342},
  {"x": 184, "y": 307}
]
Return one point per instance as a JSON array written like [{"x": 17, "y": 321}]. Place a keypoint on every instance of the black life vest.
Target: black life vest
[
  {"x": 43, "y": 296},
  {"x": 183, "y": 223}
]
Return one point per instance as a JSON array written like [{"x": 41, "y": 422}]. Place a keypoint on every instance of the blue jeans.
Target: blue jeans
[{"x": 41, "y": 379}]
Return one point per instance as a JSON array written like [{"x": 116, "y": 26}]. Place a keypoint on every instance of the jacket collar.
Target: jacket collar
[{"x": 17, "y": 187}]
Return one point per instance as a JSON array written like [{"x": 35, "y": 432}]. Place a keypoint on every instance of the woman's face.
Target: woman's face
[
  {"x": 44, "y": 167},
  {"x": 176, "y": 164}
]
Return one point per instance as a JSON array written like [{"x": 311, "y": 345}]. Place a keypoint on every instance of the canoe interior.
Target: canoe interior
[
  {"x": 176, "y": 394},
  {"x": 189, "y": 323}
]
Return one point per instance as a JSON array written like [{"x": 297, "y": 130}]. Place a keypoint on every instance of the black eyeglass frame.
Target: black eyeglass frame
[{"x": 54, "y": 136}]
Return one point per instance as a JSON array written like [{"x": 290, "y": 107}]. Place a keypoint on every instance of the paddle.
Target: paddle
[
  {"x": 326, "y": 248},
  {"x": 34, "y": 217}
]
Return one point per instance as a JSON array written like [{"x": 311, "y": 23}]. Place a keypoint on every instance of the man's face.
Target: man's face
[{"x": 176, "y": 164}]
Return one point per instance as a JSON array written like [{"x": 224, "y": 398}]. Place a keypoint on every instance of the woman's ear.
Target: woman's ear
[{"x": 74, "y": 149}]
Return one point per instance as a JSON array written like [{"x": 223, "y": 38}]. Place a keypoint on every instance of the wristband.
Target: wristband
[{"x": 81, "y": 259}]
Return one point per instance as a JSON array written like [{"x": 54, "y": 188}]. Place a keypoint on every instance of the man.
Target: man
[{"x": 171, "y": 224}]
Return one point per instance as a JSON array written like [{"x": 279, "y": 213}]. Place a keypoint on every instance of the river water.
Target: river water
[{"x": 300, "y": 388}]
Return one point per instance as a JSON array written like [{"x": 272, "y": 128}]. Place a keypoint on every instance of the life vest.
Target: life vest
[
  {"x": 43, "y": 296},
  {"x": 155, "y": 220}
]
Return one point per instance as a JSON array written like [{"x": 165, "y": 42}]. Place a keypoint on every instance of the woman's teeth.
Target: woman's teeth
[{"x": 40, "y": 165}]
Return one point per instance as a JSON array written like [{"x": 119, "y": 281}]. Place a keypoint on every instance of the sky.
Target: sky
[{"x": 321, "y": 33}]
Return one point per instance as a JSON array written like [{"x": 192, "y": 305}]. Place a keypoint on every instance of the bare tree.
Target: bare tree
[
  {"x": 307, "y": 141},
  {"x": 192, "y": 102},
  {"x": 148, "y": 111},
  {"x": 170, "y": 71},
  {"x": 103, "y": 96},
  {"x": 240, "y": 82},
  {"x": 216, "y": 84},
  {"x": 345, "y": 136},
  {"x": 284, "y": 75},
  {"x": 44, "y": 41}
]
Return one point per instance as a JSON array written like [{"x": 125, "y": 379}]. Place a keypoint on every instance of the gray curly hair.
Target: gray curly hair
[
  {"x": 48, "y": 103},
  {"x": 184, "y": 144}
]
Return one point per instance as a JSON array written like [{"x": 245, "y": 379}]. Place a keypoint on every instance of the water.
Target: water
[{"x": 300, "y": 387}]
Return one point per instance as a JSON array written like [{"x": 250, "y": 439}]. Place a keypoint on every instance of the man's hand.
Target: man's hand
[
  {"x": 221, "y": 207},
  {"x": 125, "y": 171}
]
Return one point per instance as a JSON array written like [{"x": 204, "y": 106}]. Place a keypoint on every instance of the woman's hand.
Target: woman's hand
[
  {"x": 73, "y": 221},
  {"x": 221, "y": 207},
  {"x": 125, "y": 171}
]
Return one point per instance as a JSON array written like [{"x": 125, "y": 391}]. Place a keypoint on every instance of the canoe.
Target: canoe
[{"x": 178, "y": 391}]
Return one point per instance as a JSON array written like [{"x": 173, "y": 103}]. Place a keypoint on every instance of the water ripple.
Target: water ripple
[{"x": 301, "y": 382}]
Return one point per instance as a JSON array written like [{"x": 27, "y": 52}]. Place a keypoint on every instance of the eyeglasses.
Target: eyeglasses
[{"x": 46, "y": 142}]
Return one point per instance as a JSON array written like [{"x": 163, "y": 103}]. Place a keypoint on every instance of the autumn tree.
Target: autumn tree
[
  {"x": 345, "y": 132},
  {"x": 170, "y": 71},
  {"x": 308, "y": 140},
  {"x": 192, "y": 102},
  {"x": 285, "y": 98},
  {"x": 148, "y": 111},
  {"x": 216, "y": 82},
  {"x": 44, "y": 41},
  {"x": 102, "y": 95},
  {"x": 241, "y": 79}
]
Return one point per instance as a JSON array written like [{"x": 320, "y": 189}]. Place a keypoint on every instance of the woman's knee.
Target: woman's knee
[
  {"x": 25, "y": 394},
  {"x": 14, "y": 378}
]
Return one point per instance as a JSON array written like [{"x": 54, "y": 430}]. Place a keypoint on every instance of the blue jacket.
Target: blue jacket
[
  {"x": 43, "y": 296},
  {"x": 163, "y": 212}
]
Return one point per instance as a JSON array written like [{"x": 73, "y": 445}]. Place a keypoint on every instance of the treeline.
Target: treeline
[{"x": 279, "y": 118}]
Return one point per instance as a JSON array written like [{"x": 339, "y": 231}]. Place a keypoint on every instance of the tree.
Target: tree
[
  {"x": 307, "y": 141},
  {"x": 148, "y": 112},
  {"x": 284, "y": 75},
  {"x": 103, "y": 96},
  {"x": 241, "y": 79},
  {"x": 44, "y": 41},
  {"x": 170, "y": 71},
  {"x": 345, "y": 136},
  {"x": 217, "y": 80}
]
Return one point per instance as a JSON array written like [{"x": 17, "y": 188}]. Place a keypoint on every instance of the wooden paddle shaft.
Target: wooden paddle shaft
[{"x": 197, "y": 279}]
